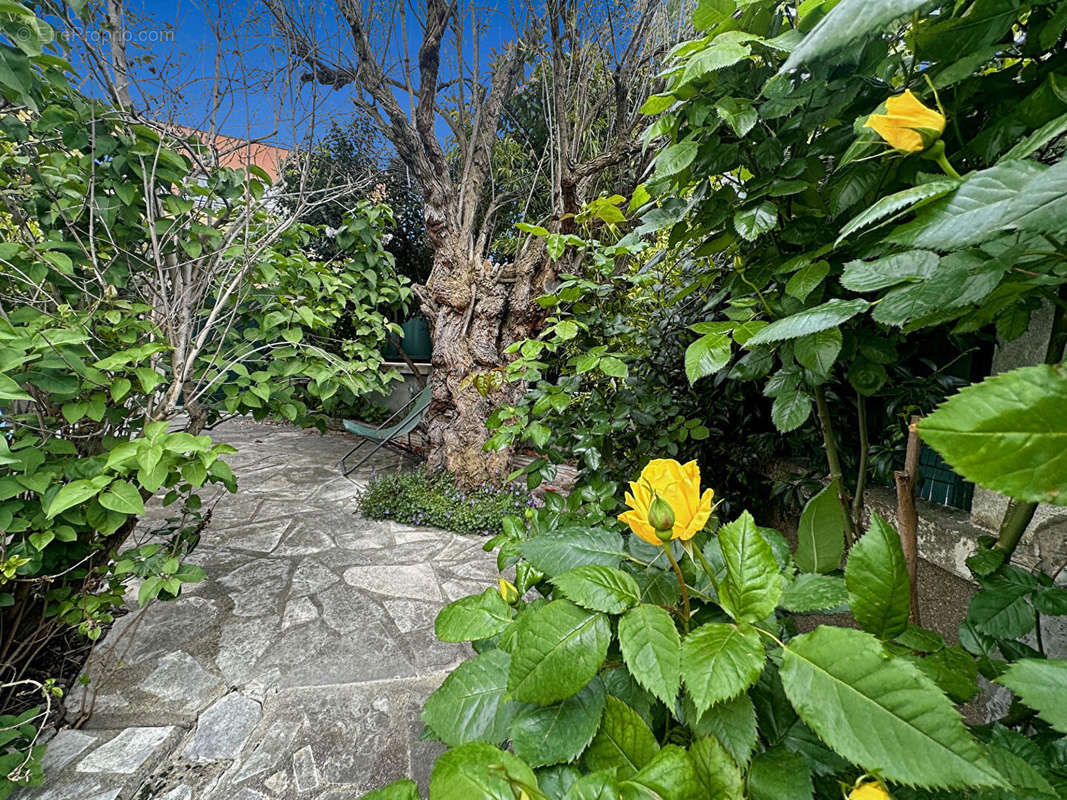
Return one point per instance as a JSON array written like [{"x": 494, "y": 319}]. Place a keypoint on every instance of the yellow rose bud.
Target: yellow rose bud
[
  {"x": 678, "y": 486},
  {"x": 509, "y": 591},
  {"x": 871, "y": 790},
  {"x": 907, "y": 125}
]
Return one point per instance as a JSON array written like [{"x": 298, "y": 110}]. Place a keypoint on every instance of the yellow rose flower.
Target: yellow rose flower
[
  {"x": 869, "y": 791},
  {"x": 904, "y": 122},
  {"x": 679, "y": 486}
]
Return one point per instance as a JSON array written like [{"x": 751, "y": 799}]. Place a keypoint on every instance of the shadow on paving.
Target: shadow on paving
[{"x": 298, "y": 668}]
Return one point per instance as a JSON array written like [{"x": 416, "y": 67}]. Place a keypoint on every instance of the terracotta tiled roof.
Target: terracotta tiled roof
[{"x": 239, "y": 153}]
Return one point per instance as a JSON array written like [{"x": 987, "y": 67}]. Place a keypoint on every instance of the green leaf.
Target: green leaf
[
  {"x": 953, "y": 669},
  {"x": 1040, "y": 684},
  {"x": 880, "y": 712},
  {"x": 821, "y": 532},
  {"x": 675, "y": 158},
  {"x": 543, "y": 735},
  {"x": 753, "y": 584},
  {"x": 830, "y": 314},
  {"x": 813, "y": 592},
  {"x": 818, "y": 351},
  {"x": 1000, "y": 609},
  {"x": 471, "y": 705},
  {"x": 403, "y": 789},
  {"x": 72, "y": 494},
  {"x": 558, "y": 649},
  {"x": 722, "y": 52},
  {"x": 718, "y": 772},
  {"x": 652, "y": 650},
  {"x": 877, "y": 580},
  {"x": 670, "y": 775},
  {"x": 599, "y": 588},
  {"x": 778, "y": 774},
  {"x": 598, "y": 786},
  {"x": 1007, "y": 433},
  {"x": 733, "y": 723},
  {"x": 614, "y": 367},
  {"x": 755, "y": 220},
  {"x": 10, "y": 389},
  {"x": 706, "y": 356},
  {"x": 624, "y": 742},
  {"x": 847, "y": 22},
  {"x": 563, "y": 549},
  {"x": 790, "y": 410},
  {"x": 710, "y": 13},
  {"x": 869, "y": 276},
  {"x": 122, "y": 496},
  {"x": 901, "y": 201},
  {"x": 478, "y": 616},
  {"x": 973, "y": 213},
  {"x": 719, "y": 661},
  {"x": 1038, "y": 139},
  {"x": 806, "y": 279},
  {"x": 478, "y": 771}
]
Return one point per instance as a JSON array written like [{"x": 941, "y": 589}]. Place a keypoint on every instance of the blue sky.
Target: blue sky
[{"x": 181, "y": 67}]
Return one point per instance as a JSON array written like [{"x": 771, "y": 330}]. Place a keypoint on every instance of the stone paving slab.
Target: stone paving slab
[{"x": 297, "y": 670}]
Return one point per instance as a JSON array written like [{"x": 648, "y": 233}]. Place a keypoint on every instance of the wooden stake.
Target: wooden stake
[{"x": 908, "y": 515}]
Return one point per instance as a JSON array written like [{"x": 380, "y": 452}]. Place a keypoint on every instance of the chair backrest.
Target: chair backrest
[{"x": 414, "y": 417}]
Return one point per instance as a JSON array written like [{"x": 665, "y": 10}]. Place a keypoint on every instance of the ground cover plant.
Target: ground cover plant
[{"x": 426, "y": 496}]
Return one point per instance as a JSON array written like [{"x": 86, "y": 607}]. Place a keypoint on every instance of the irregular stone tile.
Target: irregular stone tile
[
  {"x": 410, "y": 615},
  {"x": 416, "y": 581},
  {"x": 221, "y": 731},
  {"x": 178, "y": 793},
  {"x": 305, "y": 770},
  {"x": 142, "y": 636},
  {"x": 364, "y": 538},
  {"x": 182, "y": 683},
  {"x": 310, "y": 576},
  {"x": 298, "y": 611},
  {"x": 260, "y": 586},
  {"x": 127, "y": 752},
  {"x": 271, "y": 742},
  {"x": 353, "y": 735},
  {"x": 277, "y": 508},
  {"x": 429, "y": 653},
  {"x": 344, "y": 609},
  {"x": 240, "y": 646},
  {"x": 260, "y": 537},
  {"x": 304, "y": 540},
  {"x": 455, "y": 589},
  {"x": 469, "y": 570},
  {"x": 364, "y": 654},
  {"x": 64, "y": 747},
  {"x": 82, "y": 788}
]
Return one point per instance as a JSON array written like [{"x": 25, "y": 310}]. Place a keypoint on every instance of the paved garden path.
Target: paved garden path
[{"x": 298, "y": 668}]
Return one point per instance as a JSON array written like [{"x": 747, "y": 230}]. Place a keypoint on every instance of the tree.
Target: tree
[
  {"x": 339, "y": 167},
  {"x": 596, "y": 69}
]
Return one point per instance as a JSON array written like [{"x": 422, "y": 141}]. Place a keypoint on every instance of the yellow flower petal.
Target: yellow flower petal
[
  {"x": 678, "y": 485},
  {"x": 869, "y": 791},
  {"x": 903, "y": 122}
]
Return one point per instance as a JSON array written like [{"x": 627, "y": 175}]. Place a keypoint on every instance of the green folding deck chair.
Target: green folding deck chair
[{"x": 386, "y": 435}]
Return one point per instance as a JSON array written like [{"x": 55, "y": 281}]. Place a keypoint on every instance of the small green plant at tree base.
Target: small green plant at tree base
[{"x": 430, "y": 497}]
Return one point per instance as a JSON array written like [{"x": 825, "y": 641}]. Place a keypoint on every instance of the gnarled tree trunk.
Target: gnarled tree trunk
[{"x": 476, "y": 310}]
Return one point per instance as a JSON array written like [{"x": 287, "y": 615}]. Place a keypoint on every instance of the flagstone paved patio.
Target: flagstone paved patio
[{"x": 298, "y": 668}]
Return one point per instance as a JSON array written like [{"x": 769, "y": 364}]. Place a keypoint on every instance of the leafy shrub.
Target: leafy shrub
[
  {"x": 431, "y": 497},
  {"x": 676, "y": 670}
]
